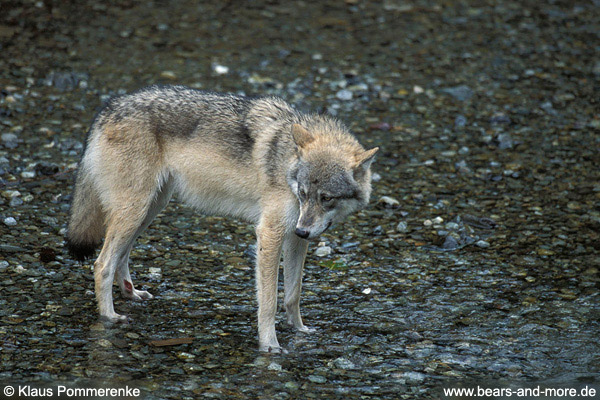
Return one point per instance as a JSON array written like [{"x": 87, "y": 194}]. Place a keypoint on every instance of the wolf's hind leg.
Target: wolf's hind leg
[
  {"x": 294, "y": 253},
  {"x": 119, "y": 234},
  {"x": 123, "y": 276}
]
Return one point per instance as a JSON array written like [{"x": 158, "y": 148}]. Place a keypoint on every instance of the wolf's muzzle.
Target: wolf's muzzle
[{"x": 303, "y": 233}]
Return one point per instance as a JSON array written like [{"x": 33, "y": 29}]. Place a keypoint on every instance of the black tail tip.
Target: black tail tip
[{"x": 81, "y": 251}]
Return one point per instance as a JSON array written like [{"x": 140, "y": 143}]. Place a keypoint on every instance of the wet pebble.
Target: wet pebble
[
  {"x": 343, "y": 363},
  {"x": 461, "y": 93},
  {"x": 452, "y": 226},
  {"x": 482, "y": 243},
  {"x": 15, "y": 202},
  {"x": 504, "y": 141},
  {"x": 10, "y": 221},
  {"x": 460, "y": 121},
  {"x": 450, "y": 243},
  {"x": 274, "y": 367},
  {"x": 344, "y": 94},
  {"x": 323, "y": 251},
  {"x": 388, "y": 201},
  {"x": 413, "y": 377},
  {"x": 317, "y": 378},
  {"x": 402, "y": 226},
  {"x": 9, "y": 140},
  {"x": 220, "y": 69}
]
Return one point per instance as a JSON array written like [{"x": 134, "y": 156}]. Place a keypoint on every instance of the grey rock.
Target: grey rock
[
  {"x": 450, "y": 243},
  {"x": 323, "y": 251},
  {"x": 413, "y": 377},
  {"x": 343, "y": 363},
  {"x": 500, "y": 119},
  {"x": 10, "y": 221},
  {"x": 505, "y": 141},
  {"x": 344, "y": 94},
  {"x": 317, "y": 378},
  {"x": 389, "y": 201},
  {"x": 460, "y": 93},
  {"x": 402, "y": 226},
  {"x": 460, "y": 121},
  {"x": 274, "y": 367},
  {"x": 482, "y": 243},
  {"x": 9, "y": 137}
]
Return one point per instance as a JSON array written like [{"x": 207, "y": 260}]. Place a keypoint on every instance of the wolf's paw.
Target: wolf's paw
[
  {"x": 272, "y": 349},
  {"x": 114, "y": 318},
  {"x": 306, "y": 329},
  {"x": 137, "y": 295}
]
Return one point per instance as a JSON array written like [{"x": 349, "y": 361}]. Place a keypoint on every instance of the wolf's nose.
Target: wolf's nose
[{"x": 303, "y": 233}]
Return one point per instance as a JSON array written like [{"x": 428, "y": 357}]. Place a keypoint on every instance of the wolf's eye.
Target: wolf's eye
[
  {"x": 302, "y": 192},
  {"x": 326, "y": 199}
]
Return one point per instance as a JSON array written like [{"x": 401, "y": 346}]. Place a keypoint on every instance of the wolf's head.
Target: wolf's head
[{"x": 331, "y": 177}]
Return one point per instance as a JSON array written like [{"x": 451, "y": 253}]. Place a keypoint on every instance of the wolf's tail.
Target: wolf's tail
[{"x": 86, "y": 221}]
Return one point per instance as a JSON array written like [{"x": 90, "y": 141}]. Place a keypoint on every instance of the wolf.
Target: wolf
[{"x": 289, "y": 173}]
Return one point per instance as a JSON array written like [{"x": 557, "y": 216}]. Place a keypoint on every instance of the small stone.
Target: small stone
[
  {"x": 505, "y": 141},
  {"x": 413, "y": 377},
  {"x": 452, "y": 226},
  {"x": 500, "y": 119},
  {"x": 323, "y": 251},
  {"x": 344, "y": 94},
  {"x": 450, "y": 243},
  {"x": 274, "y": 367},
  {"x": 482, "y": 243},
  {"x": 183, "y": 355},
  {"x": 438, "y": 220},
  {"x": 104, "y": 343},
  {"x": 402, "y": 226},
  {"x": 16, "y": 201},
  {"x": 343, "y": 363},
  {"x": 168, "y": 75},
  {"x": 389, "y": 202},
  {"x": 9, "y": 137},
  {"x": 375, "y": 177},
  {"x": 427, "y": 222},
  {"x": 461, "y": 93},
  {"x": 460, "y": 121},
  {"x": 132, "y": 335},
  {"x": 220, "y": 69},
  {"x": 97, "y": 327},
  {"x": 367, "y": 290},
  {"x": 10, "y": 221},
  {"x": 317, "y": 378},
  {"x": 418, "y": 89}
]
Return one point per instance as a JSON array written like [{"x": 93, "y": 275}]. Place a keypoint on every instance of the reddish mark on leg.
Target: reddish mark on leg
[{"x": 128, "y": 286}]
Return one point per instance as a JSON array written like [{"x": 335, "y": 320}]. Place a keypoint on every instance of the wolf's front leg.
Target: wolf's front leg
[
  {"x": 270, "y": 233},
  {"x": 294, "y": 253}
]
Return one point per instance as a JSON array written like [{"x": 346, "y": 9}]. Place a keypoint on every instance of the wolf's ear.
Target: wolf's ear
[
  {"x": 363, "y": 161},
  {"x": 301, "y": 136}
]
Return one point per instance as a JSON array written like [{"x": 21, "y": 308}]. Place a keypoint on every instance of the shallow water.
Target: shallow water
[{"x": 483, "y": 112}]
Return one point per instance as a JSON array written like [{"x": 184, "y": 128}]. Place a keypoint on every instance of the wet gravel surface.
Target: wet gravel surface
[{"x": 477, "y": 261}]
